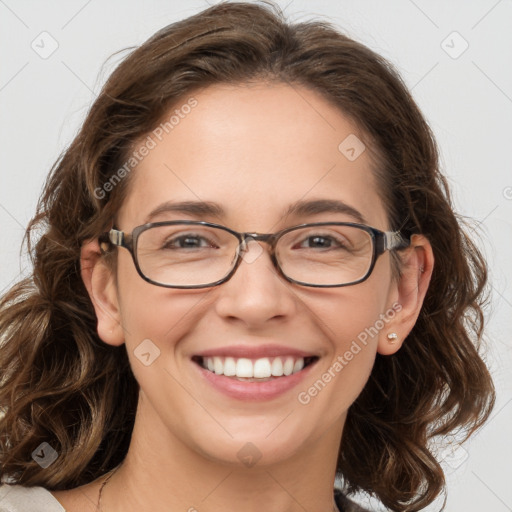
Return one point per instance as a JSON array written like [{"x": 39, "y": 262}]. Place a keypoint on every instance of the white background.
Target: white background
[{"x": 467, "y": 101}]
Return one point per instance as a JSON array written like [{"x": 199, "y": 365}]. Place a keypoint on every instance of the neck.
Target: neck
[{"x": 161, "y": 473}]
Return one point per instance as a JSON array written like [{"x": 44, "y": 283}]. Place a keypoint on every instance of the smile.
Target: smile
[
  {"x": 254, "y": 370},
  {"x": 253, "y": 373}
]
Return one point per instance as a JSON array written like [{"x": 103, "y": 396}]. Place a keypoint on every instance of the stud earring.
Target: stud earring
[{"x": 392, "y": 337}]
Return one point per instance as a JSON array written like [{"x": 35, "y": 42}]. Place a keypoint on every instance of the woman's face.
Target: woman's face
[{"x": 254, "y": 151}]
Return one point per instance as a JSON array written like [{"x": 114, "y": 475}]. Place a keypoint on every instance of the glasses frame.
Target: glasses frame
[{"x": 382, "y": 241}]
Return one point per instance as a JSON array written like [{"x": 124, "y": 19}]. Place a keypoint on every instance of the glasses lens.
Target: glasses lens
[
  {"x": 325, "y": 255},
  {"x": 195, "y": 255},
  {"x": 186, "y": 255}
]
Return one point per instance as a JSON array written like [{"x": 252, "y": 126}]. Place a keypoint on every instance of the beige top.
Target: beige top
[{"x": 18, "y": 498}]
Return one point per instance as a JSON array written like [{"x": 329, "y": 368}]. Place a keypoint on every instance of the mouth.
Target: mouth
[{"x": 262, "y": 369}]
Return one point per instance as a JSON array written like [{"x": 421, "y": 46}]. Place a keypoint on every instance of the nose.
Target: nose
[{"x": 256, "y": 293}]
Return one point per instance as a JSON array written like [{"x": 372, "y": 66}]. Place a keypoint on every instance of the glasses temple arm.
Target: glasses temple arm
[
  {"x": 395, "y": 240},
  {"x": 114, "y": 237}
]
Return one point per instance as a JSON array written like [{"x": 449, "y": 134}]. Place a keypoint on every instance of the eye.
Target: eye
[
  {"x": 189, "y": 240},
  {"x": 318, "y": 241}
]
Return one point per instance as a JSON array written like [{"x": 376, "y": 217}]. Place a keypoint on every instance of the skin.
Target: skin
[{"x": 255, "y": 150}]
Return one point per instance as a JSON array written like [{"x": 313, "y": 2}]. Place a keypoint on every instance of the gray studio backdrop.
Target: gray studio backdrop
[{"x": 454, "y": 56}]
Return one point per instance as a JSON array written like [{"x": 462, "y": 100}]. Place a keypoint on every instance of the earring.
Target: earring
[
  {"x": 422, "y": 269},
  {"x": 392, "y": 337}
]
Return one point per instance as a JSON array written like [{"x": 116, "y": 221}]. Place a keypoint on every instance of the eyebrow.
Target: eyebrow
[{"x": 300, "y": 208}]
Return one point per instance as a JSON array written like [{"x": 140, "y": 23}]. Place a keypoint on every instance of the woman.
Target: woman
[{"x": 250, "y": 282}]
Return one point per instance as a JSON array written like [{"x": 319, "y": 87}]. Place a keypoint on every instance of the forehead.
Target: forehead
[{"x": 254, "y": 149}]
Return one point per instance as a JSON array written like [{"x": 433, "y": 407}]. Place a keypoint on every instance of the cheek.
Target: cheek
[
  {"x": 352, "y": 313},
  {"x": 149, "y": 312},
  {"x": 352, "y": 321},
  {"x": 155, "y": 323},
  {"x": 161, "y": 315}
]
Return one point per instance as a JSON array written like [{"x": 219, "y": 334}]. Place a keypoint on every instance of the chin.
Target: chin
[{"x": 251, "y": 445}]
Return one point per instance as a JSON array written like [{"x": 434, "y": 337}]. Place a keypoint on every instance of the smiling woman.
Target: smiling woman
[{"x": 274, "y": 295}]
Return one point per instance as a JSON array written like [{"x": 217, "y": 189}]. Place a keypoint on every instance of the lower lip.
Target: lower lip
[{"x": 256, "y": 391}]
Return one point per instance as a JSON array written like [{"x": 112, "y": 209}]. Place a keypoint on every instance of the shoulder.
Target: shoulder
[
  {"x": 346, "y": 505},
  {"x": 18, "y": 498}
]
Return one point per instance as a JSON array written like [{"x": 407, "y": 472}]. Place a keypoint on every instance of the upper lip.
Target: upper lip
[{"x": 254, "y": 352}]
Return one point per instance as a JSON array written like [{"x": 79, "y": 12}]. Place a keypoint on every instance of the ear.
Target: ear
[
  {"x": 409, "y": 293},
  {"x": 101, "y": 284}
]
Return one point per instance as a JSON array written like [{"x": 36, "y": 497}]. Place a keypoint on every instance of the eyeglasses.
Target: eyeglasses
[{"x": 198, "y": 254}]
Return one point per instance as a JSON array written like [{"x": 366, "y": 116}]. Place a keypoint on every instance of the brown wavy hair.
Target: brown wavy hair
[{"x": 62, "y": 385}]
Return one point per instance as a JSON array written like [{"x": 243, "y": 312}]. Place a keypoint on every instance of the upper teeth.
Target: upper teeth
[{"x": 258, "y": 368}]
